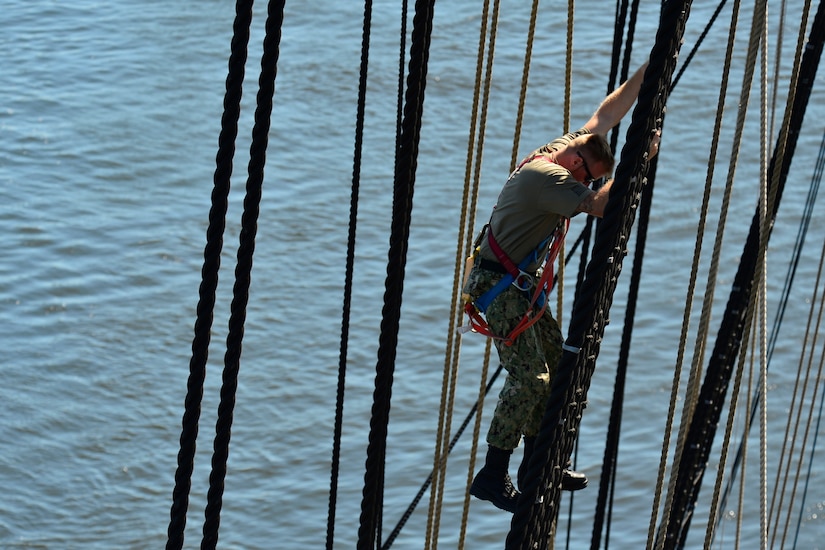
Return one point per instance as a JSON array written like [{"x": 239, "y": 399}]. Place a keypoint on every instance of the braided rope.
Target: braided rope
[
  {"x": 348, "y": 274},
  {"x": 568, "y": 84},
  {"x": 695, "y": 370},
  {"x": 404, "y": 183},
  {"x": 531, "y": 523},
  {"x": 243, "y": 270},
  {"x": 210, "y": 271},
  {"x": 525, "y": 74},
  {"x": 705, "y": 419},
  {"x": 759, "y": 297},
  {"x": 692, "y": 392},
  {"x": 473, "y": 173},
  {"x": 448, "y": 380},
  {"x": 463, "y": 250}
]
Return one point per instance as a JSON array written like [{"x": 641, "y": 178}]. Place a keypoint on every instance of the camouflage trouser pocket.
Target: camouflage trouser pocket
[
  {"x": 478, "y": 281},
  {"x": 530, "y": 363}
]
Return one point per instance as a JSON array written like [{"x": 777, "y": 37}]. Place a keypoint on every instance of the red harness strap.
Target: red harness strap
[
  {"x": 479, "y": 324},
  {"x": 531, "y": 159}
]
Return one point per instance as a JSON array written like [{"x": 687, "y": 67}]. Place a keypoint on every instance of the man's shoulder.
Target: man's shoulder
[{"x": 562, "y": 141}]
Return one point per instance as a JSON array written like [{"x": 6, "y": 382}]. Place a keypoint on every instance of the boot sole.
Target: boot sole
[{"x": 572, "y": 486}]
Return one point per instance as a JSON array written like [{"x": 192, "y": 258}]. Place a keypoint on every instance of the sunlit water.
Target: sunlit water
[{"x": 109, "y": 117}]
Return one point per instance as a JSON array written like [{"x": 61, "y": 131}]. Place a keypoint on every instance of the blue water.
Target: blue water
[{"x": 109, "y": 118}]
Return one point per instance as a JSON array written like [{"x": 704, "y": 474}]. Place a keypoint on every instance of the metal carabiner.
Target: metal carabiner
[{"x": 524, "y": 281}]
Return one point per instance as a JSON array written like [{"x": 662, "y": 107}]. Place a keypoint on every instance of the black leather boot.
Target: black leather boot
[
  {"x": 570, "y": 480},
  {"x": 529, "y": 445},
  {"x": 493, "y": 481}
]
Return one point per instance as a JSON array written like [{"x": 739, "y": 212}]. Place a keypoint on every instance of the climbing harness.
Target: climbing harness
[
  {"x": 514, "y": 275},
  {"x": 517, "y": 276}
]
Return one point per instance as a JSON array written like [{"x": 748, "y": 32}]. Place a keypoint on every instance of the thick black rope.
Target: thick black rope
[
  {"x": 582, "y": 239},
  {"x": 729, "y": 338},
  {"x": 804, "y": 224},
  {"x": 695, "y": 48},
  {"x": 611, "y": 451},
  {"x": 538, "y": 505},
  {"x": 402, "y": 55},
  {"x": 604, "y": 500},
  {"x": 209, "y": 274},
  {"x": 243, "y": 270},
  {"x": 610, "y": 460},
  {"x": 403, "y": 186},
  {"x": 345, "y": 317}
]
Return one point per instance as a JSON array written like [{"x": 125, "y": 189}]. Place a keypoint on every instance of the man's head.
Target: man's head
[{"x": 590, "y": 158}]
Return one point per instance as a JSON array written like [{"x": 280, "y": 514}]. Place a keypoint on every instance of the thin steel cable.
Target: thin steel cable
[
  {"x": 704, "y": 424},
  {"x": 692, "y": 390},
  {"x": 777, "y": 61},
  {"x": 740, "y": 511},
  {"x": 807, "y": 420},
  {"x": 793, "y": 118},
  {"x": 792, "y": 92},
  {"x": 817, "y": 431},
  {"x": 800, "y": 42},
  {"x": 713, "y": 510}
]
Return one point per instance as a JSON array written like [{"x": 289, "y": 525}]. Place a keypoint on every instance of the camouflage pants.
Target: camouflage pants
[{"x": 530, "y": 362}]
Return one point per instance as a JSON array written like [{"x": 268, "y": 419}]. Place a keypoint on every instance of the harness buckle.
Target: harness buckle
[{"x": 524, "y": 281}]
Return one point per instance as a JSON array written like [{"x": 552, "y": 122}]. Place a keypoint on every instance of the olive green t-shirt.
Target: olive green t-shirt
[{"x": 536, "y": 196}]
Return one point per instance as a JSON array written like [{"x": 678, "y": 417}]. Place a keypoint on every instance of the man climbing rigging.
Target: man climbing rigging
[{"x": 525, "y": 228}]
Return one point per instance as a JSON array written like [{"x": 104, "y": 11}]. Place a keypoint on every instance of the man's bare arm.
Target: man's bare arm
[
  {"x": 595, "y": 203},
  {"x": 616, "y": 104}
]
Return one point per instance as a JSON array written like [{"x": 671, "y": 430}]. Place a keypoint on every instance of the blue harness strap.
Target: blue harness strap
[
  {"x": 524, "y": 282},
  {"x": 516, "y": 276}
]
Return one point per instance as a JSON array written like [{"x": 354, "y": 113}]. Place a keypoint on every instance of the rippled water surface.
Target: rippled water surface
[{"x": 109, "y": 122}]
